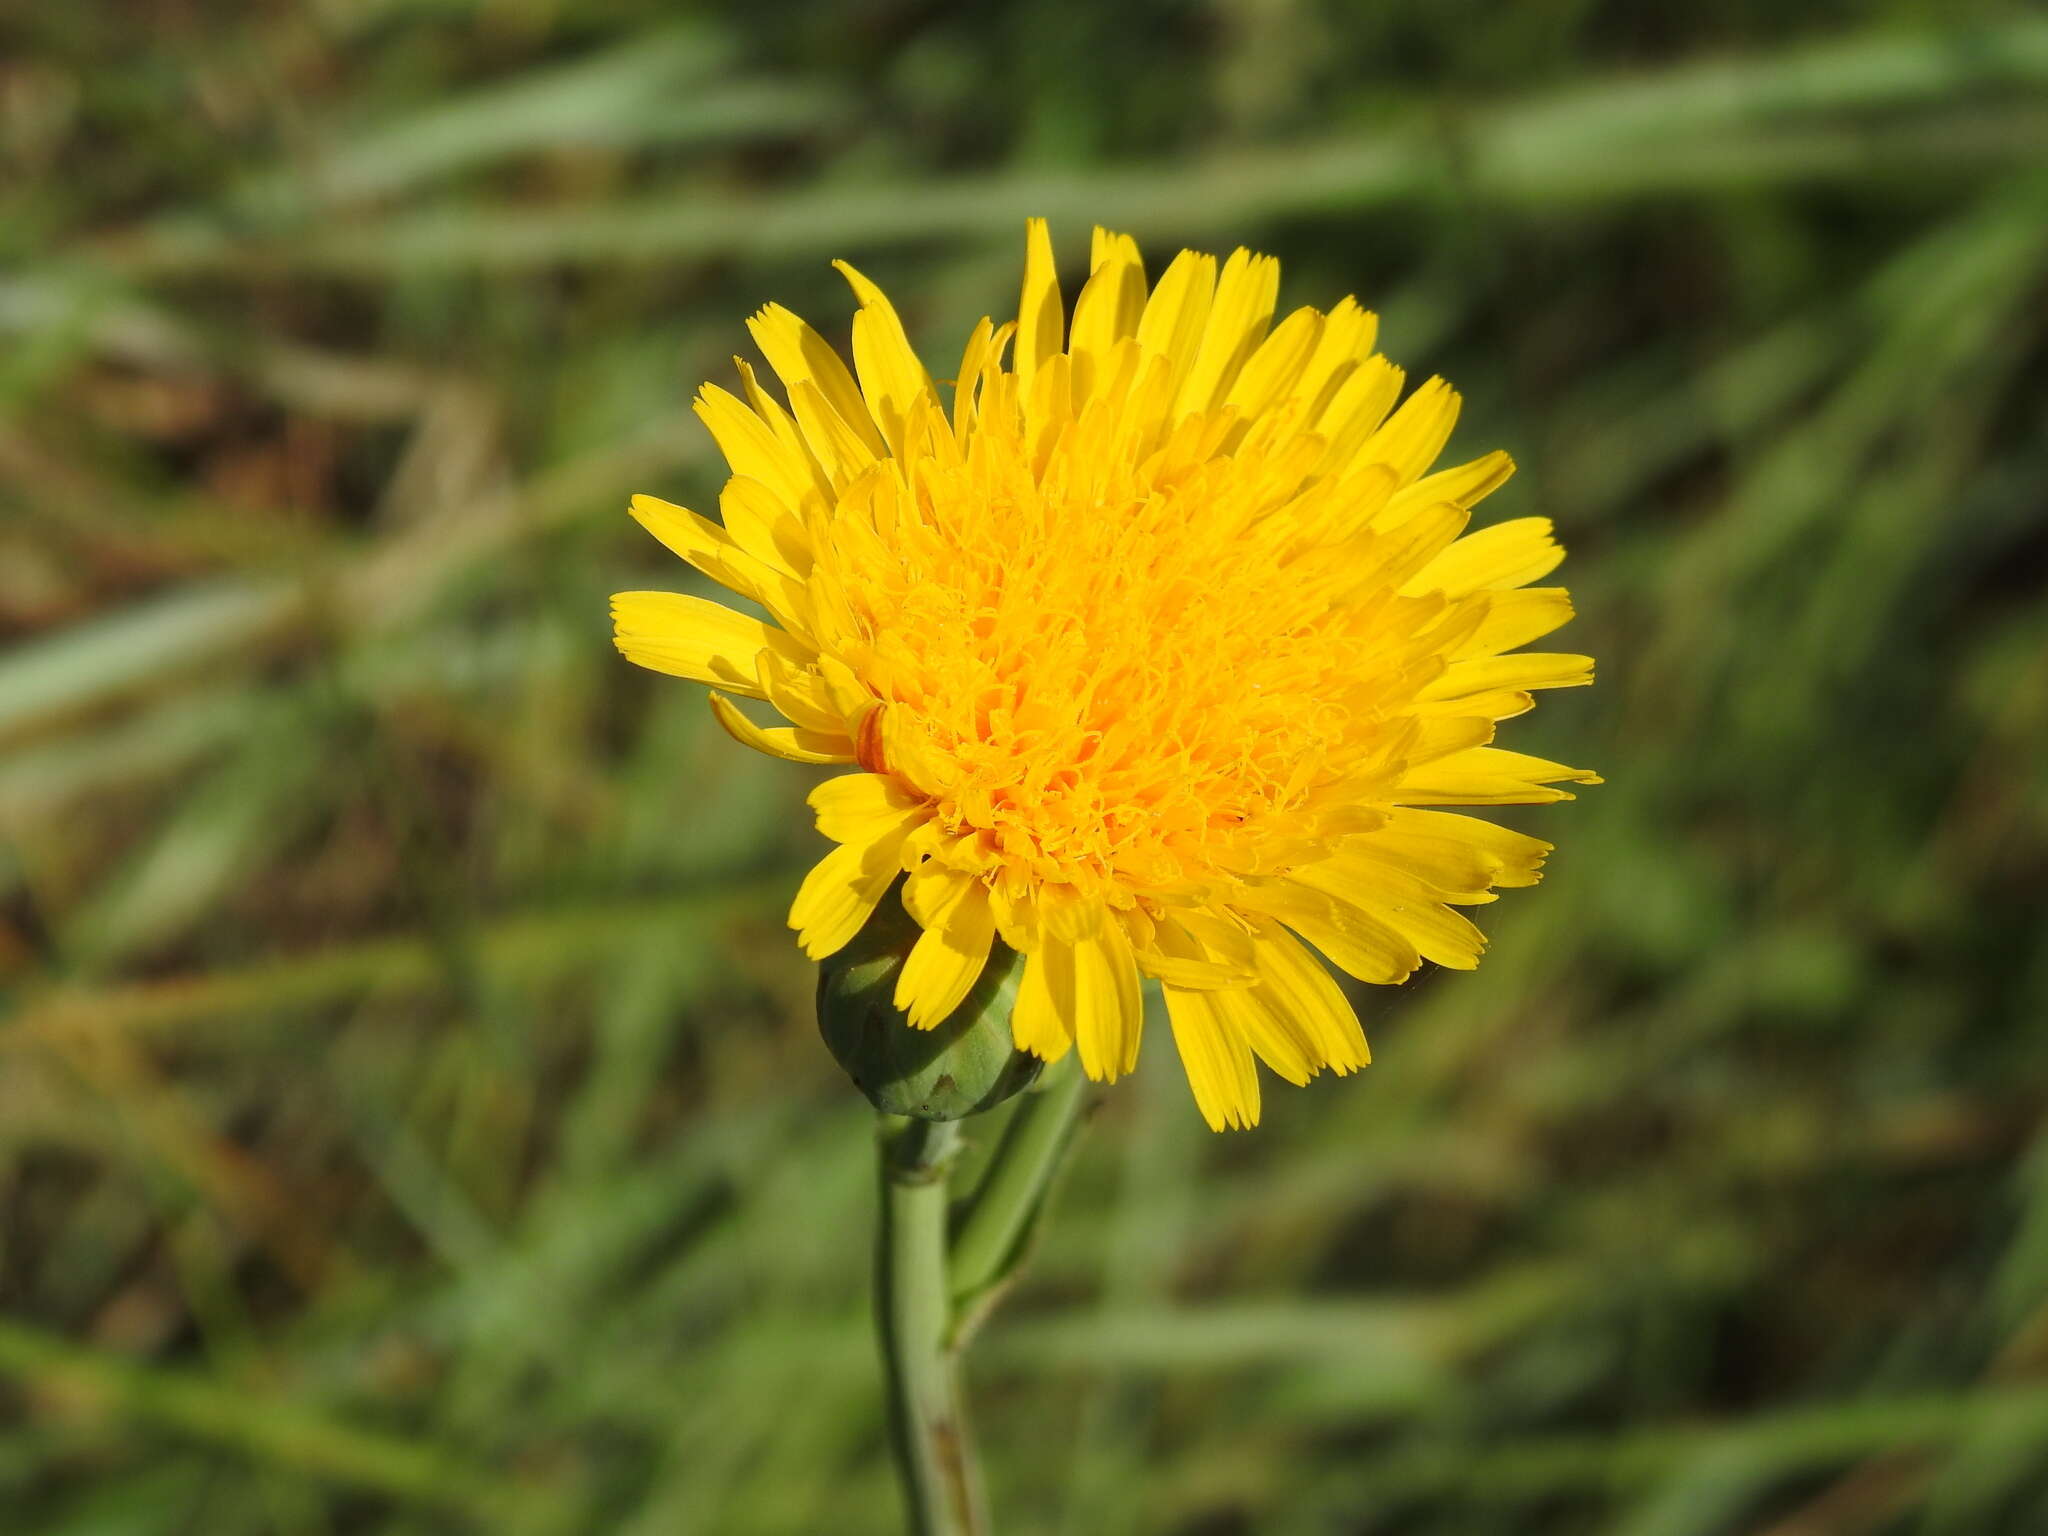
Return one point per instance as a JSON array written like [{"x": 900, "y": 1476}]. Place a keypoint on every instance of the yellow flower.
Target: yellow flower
[{"x": 1155, "y": 656}]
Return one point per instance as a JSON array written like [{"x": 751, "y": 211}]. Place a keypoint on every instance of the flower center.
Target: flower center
[{"x": 1135, "y": 662}]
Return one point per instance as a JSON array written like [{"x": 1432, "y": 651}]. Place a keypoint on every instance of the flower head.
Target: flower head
[{"x": 1157, "y": 654}]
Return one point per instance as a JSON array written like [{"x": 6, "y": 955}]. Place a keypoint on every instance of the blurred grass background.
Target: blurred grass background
[{"x": 411, "y": 1120}]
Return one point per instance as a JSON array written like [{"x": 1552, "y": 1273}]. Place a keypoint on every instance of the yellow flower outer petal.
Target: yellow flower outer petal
[{"x": 790, "y": 743}]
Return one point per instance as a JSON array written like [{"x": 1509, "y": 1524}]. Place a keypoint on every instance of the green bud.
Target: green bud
[{"x": 964, "y": 1066}]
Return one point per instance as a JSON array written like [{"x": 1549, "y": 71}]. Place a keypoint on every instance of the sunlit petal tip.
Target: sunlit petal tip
[
  {"x": 643, "y": 506},
  {"x": 863, "y": 288}
]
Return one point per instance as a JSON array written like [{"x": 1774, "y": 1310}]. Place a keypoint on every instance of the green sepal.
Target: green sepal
[{"x": 966, "y": 1065}]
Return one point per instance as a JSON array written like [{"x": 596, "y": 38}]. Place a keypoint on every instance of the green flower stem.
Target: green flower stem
[
  {"x": 914, "y": 1313},
  {"x": 990, "y": 1240},
  {"x": 930, "y": 1294}
]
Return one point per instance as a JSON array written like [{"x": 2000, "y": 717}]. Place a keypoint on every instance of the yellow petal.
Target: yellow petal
[
  {"x": 1442, "y": 933},
  {"x": 752, "y": 449},
  {"x": 1041, "y": 1022},
  {"x": 1271, "y": 371},
  {"x": 1402, "y": 902},
  {"x": 1355, "y": 413},
  {"x": 1454, "y": 868},
  {"x": 801, "y": 694},
  {"x": 1435, "y": 738},
  {"x": 1217, "y": 1061},
  {"x": 934, "y": 888},
  {"x": 849, "y": 695},
  {"x": 1178, "y": 958},
  {"x": 1015, "y": 905},
  {"x": 1277, "y": 1040},
  {"x": 1178, "y": 313},
  {"x": 1520, "y": 857},
  {"x": 1345, "y": 344},
  {"x": 981, "y": 345},
  {"x": 1109, "y": 1010},
  {"x": 712, "y": 550},
  {"x": 682, "y": 531},
  {"x": 1041, "y": 316},
  {"x": 840, "y": 894},
  {"x": 1416, "y": 433},
  {"x": 1066, "y": 916},
  {"x": 762, "y": 524},
  {"x": 1518, "y": 670},
  {"x": 1105, "y": 246},
  {"x": 1354, "y": 942},
  {"x": 693, "y": 637},
  {"x": 859, "y": 807},
  {"x": 787, "y": 742},
  {"x": 1489, "y": 776},
  {"x": 1192, "y": 975},
  {"x": 1501, "y": 704},
  {"x": 891, "y": 378},
  {"x": 1510, "y": 554},
  {"x": 1108, "y": 310},
  {"x": 1398, "y": 551},
  {"x": 779, "y": 422},
  {"x": 1294, "y": 985},
  {"x": 1245, "y": 296},
  {"x": 1220, "y": 937},
  {"x": 840, "y": 451},
  {"x": 951, "y": 952},
  {"x": 799, "y": 354},
  {"x": 1466, "y": 484},
  {"x": 1515, "y": 618}
]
